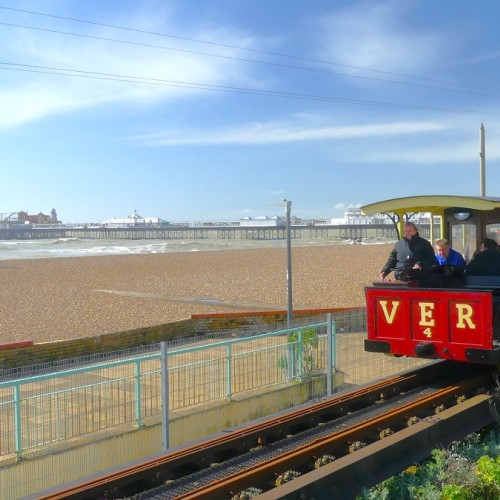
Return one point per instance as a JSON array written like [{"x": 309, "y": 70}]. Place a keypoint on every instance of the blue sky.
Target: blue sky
[{"x": 212, "y": 109}]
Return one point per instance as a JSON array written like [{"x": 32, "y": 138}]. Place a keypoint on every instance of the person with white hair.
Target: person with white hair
[{"x": 447, "y": 256}]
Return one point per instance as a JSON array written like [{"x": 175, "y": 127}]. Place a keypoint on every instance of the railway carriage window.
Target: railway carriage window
[
  {"x": 463, "y": 239},
  {"x": 493, "y": 231}
]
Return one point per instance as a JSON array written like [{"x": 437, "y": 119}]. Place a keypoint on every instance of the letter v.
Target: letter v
[{"x": 389, "y": 316}]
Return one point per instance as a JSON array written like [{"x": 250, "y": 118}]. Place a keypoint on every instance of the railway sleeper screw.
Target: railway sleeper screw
[
  {"x": 439, "y": 408},
  {"x": 287, "y": 476},
  {"x": 325, "y": 459},
  {"x": 385, "y": 433},
  {"x": 247, "y": 493},
  {"x": 412, "y": 421},
  {"x": 461, "y": 399},
  {"x": 356, "y": 445}
]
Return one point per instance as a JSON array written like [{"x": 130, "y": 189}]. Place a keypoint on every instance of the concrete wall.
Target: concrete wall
[
  {"x": 13, "y": 356},
  {"x": 346, "y": 319},
  {"x": 48, "y": 352},
  {"x": 31, "y": 476}
]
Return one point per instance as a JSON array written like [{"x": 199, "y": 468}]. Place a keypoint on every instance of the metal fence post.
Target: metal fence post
[
  {"x": 300, "y": 353},
  {"x": 138, "y": 396},
  {"x": 291, "y": 353},
  {"x": 334, "y": 343},
  {"x": 165, "y": 420},
  {"x": 330, "y": 353},
  {"x": 17, "y": 421},
  {"x": 229, "y": 379}
]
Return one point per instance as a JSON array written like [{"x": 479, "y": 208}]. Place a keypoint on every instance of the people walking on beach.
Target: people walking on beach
[
  {"x": 445, "y": 255},
  {"x": 411, "y": 253}
]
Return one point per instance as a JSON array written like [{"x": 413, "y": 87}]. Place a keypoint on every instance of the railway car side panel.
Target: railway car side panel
[{"x": 431, "y": 323}]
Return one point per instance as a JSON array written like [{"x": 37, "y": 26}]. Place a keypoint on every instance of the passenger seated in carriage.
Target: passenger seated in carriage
[
  {"x": 447, "y": 256},
  {"x": 486, "y": 262}
]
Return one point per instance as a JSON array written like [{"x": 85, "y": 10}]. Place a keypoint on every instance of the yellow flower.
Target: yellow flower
[{"x": 411, "y": 470}]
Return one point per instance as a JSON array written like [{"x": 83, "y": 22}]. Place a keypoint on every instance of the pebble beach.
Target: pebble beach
[{"x": 66, "y": 298}]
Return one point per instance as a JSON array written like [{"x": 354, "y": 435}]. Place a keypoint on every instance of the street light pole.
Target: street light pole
[
  {"x": 288, "y": 210},
  {"x": 289, "y": 316}
]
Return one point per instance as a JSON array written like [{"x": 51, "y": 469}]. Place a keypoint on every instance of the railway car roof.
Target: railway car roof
[{"x": 431, "y": 203}]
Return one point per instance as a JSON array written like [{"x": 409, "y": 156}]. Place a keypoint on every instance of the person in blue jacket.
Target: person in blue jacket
[{"x": 445, "y": 255}]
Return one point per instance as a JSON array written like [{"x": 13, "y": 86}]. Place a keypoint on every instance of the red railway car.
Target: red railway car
[{"x": 434, "y": 316}]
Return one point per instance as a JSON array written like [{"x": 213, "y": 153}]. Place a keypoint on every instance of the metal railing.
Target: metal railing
[{"x": 45, "y": 409}]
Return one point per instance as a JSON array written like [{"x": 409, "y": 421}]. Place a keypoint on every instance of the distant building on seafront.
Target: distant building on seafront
[
  {"x": 275, "y": 221},
  {"x": 353, "y": 216},
  {"x": 40, "y": 218},
  {"x": 263, "y": 221},
  {"x": 134, "y": 220}
]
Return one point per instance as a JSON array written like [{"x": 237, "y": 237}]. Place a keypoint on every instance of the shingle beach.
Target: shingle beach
[{"x": 65, "y": 298}]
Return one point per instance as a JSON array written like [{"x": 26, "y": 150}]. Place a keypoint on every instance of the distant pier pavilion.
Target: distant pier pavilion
[{"x": 347, "y": 231}]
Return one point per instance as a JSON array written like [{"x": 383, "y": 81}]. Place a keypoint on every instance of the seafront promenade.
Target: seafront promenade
[{"x": 349, "y": 231}]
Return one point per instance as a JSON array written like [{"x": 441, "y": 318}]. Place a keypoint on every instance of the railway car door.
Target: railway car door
[
  {"x": 493, "y": 231},
  {"x": 464, "y": 239}
]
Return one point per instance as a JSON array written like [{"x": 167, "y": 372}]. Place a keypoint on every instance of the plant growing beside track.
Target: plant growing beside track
[
  {"x": 469, "y": 470},
  {"x": 300, "y": 358}
]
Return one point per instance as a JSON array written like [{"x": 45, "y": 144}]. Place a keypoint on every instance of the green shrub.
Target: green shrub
[{"x": 467, "y": 470}]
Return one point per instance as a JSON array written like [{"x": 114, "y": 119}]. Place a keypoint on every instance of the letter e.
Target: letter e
[{"x": 426, "y": 309}]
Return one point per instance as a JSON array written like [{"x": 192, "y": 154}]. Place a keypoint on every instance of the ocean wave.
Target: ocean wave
[
  {"x": 75, "y": 247},
  {"x": 64, "y": 240}
]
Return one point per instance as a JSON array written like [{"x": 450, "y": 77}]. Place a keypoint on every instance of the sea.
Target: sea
[{"x": 75, "y": 247}]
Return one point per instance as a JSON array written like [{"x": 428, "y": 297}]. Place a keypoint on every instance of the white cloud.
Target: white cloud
[
  {"x": 270, "y": 192},
  {"x": 344, "y": 206},
  {"x": 375, "y": 35},
  {"x": 29, "y": 95},
  {"x": 280, "y": 132},
  {"x": 456, "y": 152}
]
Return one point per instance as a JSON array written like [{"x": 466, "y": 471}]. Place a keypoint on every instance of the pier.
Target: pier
[{"x": 354, "y": 232}]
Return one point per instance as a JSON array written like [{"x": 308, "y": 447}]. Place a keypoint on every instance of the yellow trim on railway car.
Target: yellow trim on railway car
[
  {"x": 431, "y": 203},
  {"x": 435, "y": 204}
]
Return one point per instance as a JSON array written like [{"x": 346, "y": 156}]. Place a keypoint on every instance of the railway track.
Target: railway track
[{"x": 331, "y": 449}]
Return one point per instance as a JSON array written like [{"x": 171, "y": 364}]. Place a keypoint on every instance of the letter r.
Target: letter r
[{"x": 464, "y": 312}]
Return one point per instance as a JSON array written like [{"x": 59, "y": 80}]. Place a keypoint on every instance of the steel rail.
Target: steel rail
[
  {"x": 255, "y": 433},
  {"x": 163, "y": 465},
  {"x": 346, "y": 477},
  {"x": 297, "y": 459}
]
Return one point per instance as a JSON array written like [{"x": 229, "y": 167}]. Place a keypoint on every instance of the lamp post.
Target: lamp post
[{"x": 288, "y": 209}]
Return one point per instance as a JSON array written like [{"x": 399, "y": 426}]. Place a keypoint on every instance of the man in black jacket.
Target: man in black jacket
[
  {"x": 487, "y": 261},
  {"x": 410, "y": 253}
]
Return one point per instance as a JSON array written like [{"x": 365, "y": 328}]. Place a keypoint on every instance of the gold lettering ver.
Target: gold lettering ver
[
  {"x": 389, "y": 316},
  {"x": 426, "y": 309},
  {"x": 464, "y": 316}
]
